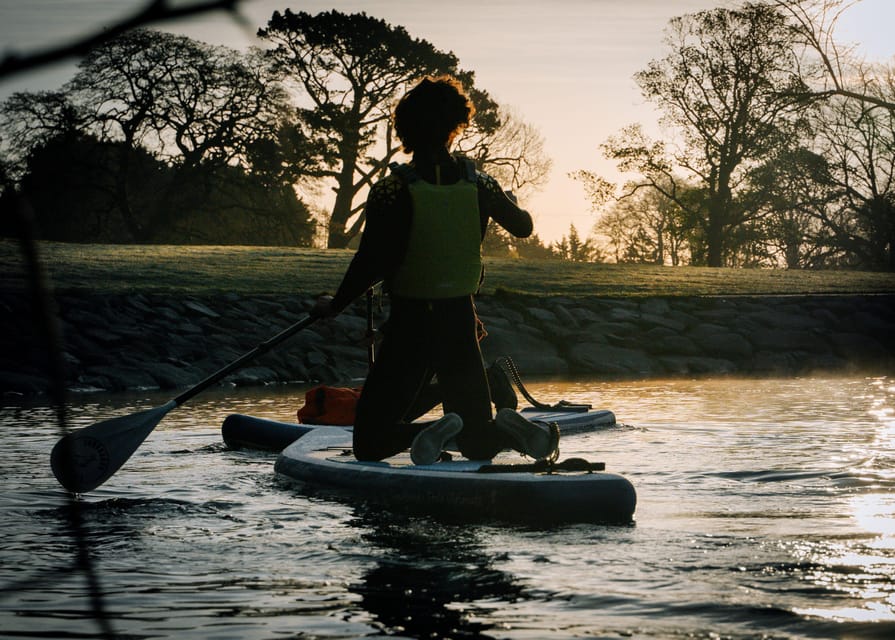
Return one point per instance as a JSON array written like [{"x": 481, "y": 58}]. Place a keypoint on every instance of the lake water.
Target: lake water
[{"x": 765, "y": 510}]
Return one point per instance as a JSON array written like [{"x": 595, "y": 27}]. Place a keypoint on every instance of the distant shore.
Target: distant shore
[
  {"x": 142, "y": 341},
  {"x": 209, "y": 271}
]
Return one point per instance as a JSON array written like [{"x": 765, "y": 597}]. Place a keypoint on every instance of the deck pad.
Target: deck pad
[{"x": 344, "y": 455}]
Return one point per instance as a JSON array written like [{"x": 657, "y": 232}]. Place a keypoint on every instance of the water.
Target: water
[{"x": 766, "y": 510}]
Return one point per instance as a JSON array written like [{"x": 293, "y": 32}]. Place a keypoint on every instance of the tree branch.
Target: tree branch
[{"x": 155, "y": 11}]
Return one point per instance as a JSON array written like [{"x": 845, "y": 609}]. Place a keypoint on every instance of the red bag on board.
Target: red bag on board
[{"x": 329, "y": 405}]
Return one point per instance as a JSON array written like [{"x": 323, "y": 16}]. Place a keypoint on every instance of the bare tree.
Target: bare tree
[
  {"x": 859, "y": 145},
  {"x": 512, "y": 151},
  {"x": 29, "y": 119},
  {"x": 835, "y": 70}
]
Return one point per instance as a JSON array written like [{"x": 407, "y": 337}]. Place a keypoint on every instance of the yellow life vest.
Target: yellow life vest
[{"x": 444, "y": 251}]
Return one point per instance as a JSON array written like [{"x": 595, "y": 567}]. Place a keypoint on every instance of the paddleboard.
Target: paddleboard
[
  {"x": 504, "y": 489},
  {"x": 248, "y": 432}
]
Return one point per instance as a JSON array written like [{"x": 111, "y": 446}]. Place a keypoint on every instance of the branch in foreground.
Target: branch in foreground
[{"x": 155, "y": 11}]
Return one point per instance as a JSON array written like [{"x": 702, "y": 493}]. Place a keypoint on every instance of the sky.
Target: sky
[{"x": 564, "y": 66}]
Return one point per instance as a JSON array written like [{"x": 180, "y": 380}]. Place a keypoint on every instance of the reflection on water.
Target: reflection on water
[
  {"x": 765, "y": 509},
  {"x": 430, "y": 580}
]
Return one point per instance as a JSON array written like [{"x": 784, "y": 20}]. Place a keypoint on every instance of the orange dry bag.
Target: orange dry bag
[{"x": 329, "y": 405}]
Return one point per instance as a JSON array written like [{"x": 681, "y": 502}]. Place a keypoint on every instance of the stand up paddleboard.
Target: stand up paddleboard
[{"x": 505, "y": 489}]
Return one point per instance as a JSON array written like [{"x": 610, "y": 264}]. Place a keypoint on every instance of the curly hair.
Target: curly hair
[{"x": 432, "y": 113}]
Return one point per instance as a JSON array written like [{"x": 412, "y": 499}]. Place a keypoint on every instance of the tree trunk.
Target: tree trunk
[
  {"x": 338, "y": 237},
  {"x": 122, "y": 197},
  {"x": 660, "y": 245},
  {"x": 718, "y": 207},
  {"x": 714, "y": 236},
  {"x": 889, "y": 225},
  {"x": 792, "y": 255}
]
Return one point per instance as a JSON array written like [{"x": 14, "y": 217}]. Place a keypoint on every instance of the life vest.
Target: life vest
[{"x": 444, "y": 251}]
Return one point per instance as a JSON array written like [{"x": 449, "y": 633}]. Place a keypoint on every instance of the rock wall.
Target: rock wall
[{"x": 122, "y": 342}]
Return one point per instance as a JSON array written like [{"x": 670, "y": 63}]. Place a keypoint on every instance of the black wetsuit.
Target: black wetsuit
[{"x": 422, "y": 338}]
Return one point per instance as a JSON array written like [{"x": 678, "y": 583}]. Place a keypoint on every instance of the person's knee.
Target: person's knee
[{"x": 366, "y": 449}]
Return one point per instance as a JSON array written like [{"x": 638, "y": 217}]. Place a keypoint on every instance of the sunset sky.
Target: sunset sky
[{"x": 565, "y": 66}]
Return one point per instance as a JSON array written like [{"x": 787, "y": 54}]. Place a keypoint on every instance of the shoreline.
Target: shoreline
[{"x": 126, "y": 342}]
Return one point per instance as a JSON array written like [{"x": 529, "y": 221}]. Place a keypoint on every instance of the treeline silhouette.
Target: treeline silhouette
[
  {"x": 159, "y": 138},
  {"x": 778, "y": 149}
]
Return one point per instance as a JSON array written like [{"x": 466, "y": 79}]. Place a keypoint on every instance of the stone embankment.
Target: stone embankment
[{"x": 142, "y": 342}]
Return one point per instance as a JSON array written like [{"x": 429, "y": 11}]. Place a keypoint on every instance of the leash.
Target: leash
[{"x": 509, "y": 367}]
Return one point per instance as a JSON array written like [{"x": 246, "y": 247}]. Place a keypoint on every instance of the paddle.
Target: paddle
[{"x": 84, "y": 459}]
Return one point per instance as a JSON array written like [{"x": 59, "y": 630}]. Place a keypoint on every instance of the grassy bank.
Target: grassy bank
[{"x": 205, "y": 270}]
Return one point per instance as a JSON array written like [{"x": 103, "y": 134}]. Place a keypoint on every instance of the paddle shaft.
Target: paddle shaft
[
  {"x": 371, "y": 333},
  {"x": 264, "y": 347}
]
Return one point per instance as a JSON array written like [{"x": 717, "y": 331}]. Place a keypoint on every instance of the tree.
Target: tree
[
  {"x": 240, "y": 208},
  {"x": 572, "y": 249},
  {"x": 727, "y": 89},
  {"x": 796, "y": 189},
  {"x": 858, "y": 141},
  {"x": 121, "y": 83},
  {"x": 156, "y": 127},
  {"x": 532, "y": 248},
  {"x": 497, "y": 242},
  {"x": 70, "y": 183},
  {"x": 616, "y": 226},
  {"x": 646, "y": 227},
  {"x": 28, "y": 120},
  {"x": 187, "y": 102},
  {"x": 856, "y": 103},
  {"x": 351, "y": 67}
]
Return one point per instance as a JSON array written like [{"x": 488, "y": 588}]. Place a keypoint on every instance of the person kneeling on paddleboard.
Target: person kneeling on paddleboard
[{"x": 424, "y": 228}]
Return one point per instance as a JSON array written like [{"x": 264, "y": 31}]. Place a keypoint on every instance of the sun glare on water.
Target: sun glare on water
[{"x": 864, "y": 570}]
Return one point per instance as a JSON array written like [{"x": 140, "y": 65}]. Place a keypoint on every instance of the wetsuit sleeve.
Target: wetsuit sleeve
[
  {"x": 494, "y": 204},
  {"x": 383, "y": 243}
]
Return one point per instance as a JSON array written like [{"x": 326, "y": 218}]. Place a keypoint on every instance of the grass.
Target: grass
[{"x": 209, "y": 270}]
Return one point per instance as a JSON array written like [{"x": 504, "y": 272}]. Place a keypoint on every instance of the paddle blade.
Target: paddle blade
[{"x": 84, "y": 459}]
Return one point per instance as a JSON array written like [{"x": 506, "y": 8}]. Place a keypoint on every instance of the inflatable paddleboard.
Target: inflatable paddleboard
[
  {"x": 247, "y": 432},
  {"x": 508, "y": 488}
]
